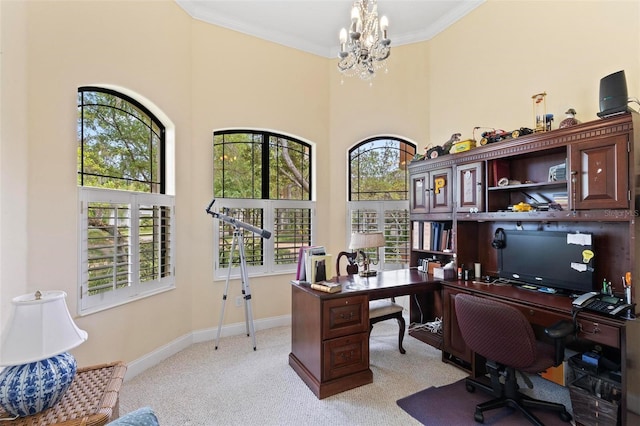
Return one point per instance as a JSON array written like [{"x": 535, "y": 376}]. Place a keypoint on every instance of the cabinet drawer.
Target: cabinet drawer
[
  {"x": 599, "y": 333},
  {"x": 345, "y": 355},
  {"x": 344, "y": 316}
]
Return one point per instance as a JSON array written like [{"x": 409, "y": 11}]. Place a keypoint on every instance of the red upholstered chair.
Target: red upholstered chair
[
  {"x": 502, "y": 334},
  {"x": 379, "y": 310}
]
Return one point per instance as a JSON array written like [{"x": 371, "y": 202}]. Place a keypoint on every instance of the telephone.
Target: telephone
[{"x": 601, "y": 303}]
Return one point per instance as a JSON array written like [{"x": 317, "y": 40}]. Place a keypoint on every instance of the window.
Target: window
[
  {"x": 378, "y": 195},
  {"x": 126, "y": 216},
  {"x": 262, "y": 179}
]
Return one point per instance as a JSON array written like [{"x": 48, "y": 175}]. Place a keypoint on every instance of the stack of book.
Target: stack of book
[
  {"x": 314, "y": 265},
  {"x": 435, "y": 236}
]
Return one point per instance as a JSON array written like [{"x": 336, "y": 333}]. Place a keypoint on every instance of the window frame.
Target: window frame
[
  {"x": 380, "y": 206},
  {"x": 135, "y": 288},
  {"x": 268, "y": 207}
]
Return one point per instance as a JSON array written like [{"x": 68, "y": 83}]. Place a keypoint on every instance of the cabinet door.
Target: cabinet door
[
  {"x": 470, "y": 188},
  {"x": 440, "y": 191},
  {"x": 454, "y": 344},
  {"x": 419, "y": 200},
  {"x": 599, "y": 173}
]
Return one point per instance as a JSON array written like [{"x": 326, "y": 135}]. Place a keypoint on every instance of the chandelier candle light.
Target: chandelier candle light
[
  {"x": 367, "y": 46},
  {"x": 34, "y": 346}
]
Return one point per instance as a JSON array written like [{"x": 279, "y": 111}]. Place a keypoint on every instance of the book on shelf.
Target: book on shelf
[
  {"x": 427, "y": 235},
  {"x": 415, "y": 236},
  {"x": 319, "y": 268},
  {"x": 436, "y": 235},
  {"x": 327, "y": 287}
]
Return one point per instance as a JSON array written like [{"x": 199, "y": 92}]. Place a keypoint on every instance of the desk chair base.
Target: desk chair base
[{"x": 507, "y": 395}]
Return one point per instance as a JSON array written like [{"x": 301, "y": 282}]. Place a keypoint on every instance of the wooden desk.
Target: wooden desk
[
  {"x": 92, "y": 399},
  {"x": 330, "y": 332},
  {"x": 543, "y": 310}
]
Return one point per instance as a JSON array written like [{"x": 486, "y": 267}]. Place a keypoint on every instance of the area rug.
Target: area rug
[{"x": 453, "y": 405}]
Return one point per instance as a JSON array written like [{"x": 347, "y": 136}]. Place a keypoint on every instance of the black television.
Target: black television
[{"x": 559, "y": 260}]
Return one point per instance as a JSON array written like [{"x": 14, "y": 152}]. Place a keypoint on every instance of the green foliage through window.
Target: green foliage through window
[
  {"x": 121, "y": 144},
  {"x": 378, "y": 169},
  {"x": 126, "y": 217},
  {"x": 259, "y": 165}
]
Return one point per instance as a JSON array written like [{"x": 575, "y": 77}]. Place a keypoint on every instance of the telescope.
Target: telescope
[{"x": 238, "y": 224}]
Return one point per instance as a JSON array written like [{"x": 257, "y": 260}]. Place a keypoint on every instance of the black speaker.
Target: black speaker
[
  {"x": 499, "y": 239},
  {"x": 613, "y": 95}
]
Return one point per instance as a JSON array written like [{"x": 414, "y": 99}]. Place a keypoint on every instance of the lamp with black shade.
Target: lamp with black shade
[
  {"x": 367, "y": 240},
  {"x": 34, "y": 350}
]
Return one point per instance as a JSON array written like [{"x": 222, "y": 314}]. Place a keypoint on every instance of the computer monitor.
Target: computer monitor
[{"x": 559, "y": 260}]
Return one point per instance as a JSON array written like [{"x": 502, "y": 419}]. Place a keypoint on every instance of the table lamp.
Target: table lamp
[
  {"x": 366, "y": 240},
  {"x": 34, "y": 346}
]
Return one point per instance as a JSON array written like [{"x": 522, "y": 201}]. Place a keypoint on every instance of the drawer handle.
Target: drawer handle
[
  {"x": 596, "y": 330},
  {"x": 350, "y": 316}
]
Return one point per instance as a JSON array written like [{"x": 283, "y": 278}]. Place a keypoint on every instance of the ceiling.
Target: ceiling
[{"x": 313, "y": 25}]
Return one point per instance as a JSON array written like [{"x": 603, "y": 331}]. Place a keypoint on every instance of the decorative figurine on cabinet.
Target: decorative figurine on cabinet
[
  {"x": 570, "y": 120},
  {"x": 540, "y": 111}
]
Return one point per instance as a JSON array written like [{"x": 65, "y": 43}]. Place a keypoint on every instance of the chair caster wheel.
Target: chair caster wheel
[
  {"x": 470, "y": 388},
  {"x": 565, "y": 416},
  {"x": 478, "y": 417}
]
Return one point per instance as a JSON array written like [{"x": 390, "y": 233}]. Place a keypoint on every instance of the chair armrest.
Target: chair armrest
[{"x": 558, "y": 332}]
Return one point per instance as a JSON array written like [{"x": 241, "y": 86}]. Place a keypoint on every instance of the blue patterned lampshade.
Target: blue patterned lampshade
[{"x": 34, "y": 346}]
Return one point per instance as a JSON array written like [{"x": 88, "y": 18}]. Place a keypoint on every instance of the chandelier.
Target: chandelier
[{"x": 367, "y": 46}]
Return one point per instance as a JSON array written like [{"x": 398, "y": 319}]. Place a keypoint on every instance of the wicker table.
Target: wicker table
[{"x": 92, "y": 399}]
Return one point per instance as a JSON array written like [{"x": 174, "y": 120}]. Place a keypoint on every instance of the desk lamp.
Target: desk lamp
[
  {"x": 34, "y": 346},
  {"x": 366, "y": 240}
]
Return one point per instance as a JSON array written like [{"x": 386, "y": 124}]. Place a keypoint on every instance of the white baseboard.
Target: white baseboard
[{"x": 157, "y": 356}]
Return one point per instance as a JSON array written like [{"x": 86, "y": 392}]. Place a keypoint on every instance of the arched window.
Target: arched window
[
  {"x": 263, "y": 179},
  {"x": 379, "y": 194},
  {"x": 126, "y": 216}
]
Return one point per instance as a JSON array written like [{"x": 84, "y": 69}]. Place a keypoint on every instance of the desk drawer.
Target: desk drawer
[
  {"x": 345, "y": 315},
  {"x": 598, "y": 332},
  {"x": 345, "y": 355},
  {"x": 540, "y": 317}
]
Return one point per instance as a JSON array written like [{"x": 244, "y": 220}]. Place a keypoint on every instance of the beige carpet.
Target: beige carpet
[{"x": 235, "y": 385}]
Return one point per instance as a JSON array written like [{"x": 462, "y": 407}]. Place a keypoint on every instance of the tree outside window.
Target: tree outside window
[
  {"x": 378, "y": 194},
  {"x": 263, "y": 179},
  {"x": 126, "y": 219}
]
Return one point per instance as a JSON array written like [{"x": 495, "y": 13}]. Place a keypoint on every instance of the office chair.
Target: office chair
[
  {"x": 502, "y": 334},
  {"x": 379, "y": 310}
]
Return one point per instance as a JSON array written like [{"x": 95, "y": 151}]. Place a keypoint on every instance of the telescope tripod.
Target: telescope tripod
[{"x": 238, "y": 241}]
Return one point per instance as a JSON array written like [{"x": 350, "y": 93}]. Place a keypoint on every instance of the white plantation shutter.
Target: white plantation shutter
[{"x": 126, "y": 246}]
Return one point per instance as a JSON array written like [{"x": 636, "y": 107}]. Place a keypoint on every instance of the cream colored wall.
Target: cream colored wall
[
  {"x": 397, "y": 103},
  {"x": 143, "y": 46},
  {"x": 241, "y": 81},
  {"x": 201, "y": 76},
  {"x": 485, "y": 68},
  {"x": 13, "y": 154},
  {"x": 205, "y": 78}
]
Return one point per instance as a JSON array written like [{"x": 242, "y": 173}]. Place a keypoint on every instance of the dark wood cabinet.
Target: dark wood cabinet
[
  {"x": 469, "y": 187},
  {"x": 455, "y": 349},
  {"x": 584, "y": 178},
  {"x": 431, "y": 191},
  {"x": 600, "y": 173},
  {"x": 330, "y": 342}
]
